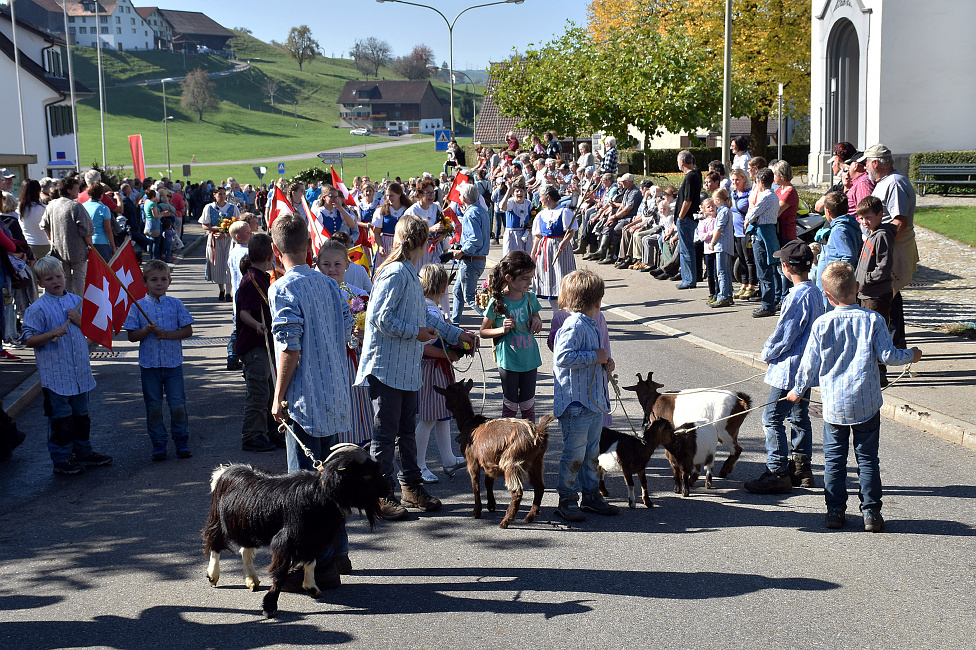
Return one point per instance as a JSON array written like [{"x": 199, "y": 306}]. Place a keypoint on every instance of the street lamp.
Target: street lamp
[
  {"x": 474, "y": 97},
  {"x": 450, "y": 33},
  {"x": 166, "y": 119}
]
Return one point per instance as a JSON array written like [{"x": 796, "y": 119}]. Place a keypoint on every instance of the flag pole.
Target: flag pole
[{"x": 135, "y": 302}]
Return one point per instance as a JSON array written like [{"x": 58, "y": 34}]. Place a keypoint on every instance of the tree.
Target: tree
[
  {"x": 416, "y": 65},
  {"x": 369, "y": 54},
  {"x": 300, "y": 45},
  {"x": 271, "y": 87},
  {"x": 244, "y": 30},
  {"x": 198, "y": 93}
]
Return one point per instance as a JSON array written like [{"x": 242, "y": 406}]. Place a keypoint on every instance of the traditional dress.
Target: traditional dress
[
  {"x": 388, "y": 224},
  {"x": 517, "y": 236},
  {"x": 362, "y": 407},
  {"x": 550, "y": 268},
  {"x": 218, "y": 249},
  {"x": 435, "y": 372},
  {"x": 432, "y": 216}
]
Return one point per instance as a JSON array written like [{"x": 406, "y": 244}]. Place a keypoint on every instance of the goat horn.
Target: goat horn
[{"x": 358, "y": 453}]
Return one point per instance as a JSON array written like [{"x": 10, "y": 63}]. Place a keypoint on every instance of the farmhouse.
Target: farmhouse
[
  {"x": 381, "y": 104},
  {"x": 193, "y": 31}
]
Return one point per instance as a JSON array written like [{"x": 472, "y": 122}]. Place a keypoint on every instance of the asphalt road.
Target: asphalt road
[{"x": 114, "y": 559}]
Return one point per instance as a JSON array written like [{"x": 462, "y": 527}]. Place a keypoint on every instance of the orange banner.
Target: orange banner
[{"x": 138, "y": 160}]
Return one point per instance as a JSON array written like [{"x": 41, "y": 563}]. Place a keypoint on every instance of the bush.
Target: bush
[
  {"x": 663, "y": 160},
  {"x": 943, "y": 157}
]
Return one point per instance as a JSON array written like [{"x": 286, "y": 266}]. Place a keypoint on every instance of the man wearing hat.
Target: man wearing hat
[
  {"x": 6, "y": 180},
  {"x": 898, "y": 196},
  {"x": 783, "y": 351},
  {"x": 857, "y": 181}
]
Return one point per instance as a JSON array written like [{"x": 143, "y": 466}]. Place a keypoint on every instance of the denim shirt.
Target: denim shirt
[
  {"x": 577, "y": 377},
  {"x": 168, "y": 313},
  {"x": 802, "y": 306},
  {"x": 475, "y": 231}
]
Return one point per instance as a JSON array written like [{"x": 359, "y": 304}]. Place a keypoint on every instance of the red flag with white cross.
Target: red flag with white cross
[
  {"x": 96, "y": 309},
  {"x": 126, "y": 268}
]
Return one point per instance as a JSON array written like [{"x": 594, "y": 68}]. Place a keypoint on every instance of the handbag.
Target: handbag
[{"x": 153, "y": 227}]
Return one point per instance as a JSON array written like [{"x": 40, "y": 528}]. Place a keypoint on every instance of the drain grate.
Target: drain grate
[
  {"x": 205, "y": 342},
  {"x": 108, "y": 355}
]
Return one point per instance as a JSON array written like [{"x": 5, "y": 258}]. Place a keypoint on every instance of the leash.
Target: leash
[
  {"x": 286, "y": 425},
  {"x": 616, "y": 387}
]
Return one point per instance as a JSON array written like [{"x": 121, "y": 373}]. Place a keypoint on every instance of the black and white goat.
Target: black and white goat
[
  {"x": 298, "y": 515},
  {"x": 691, "y": 447},
  {"x": 628, "y": 454}
]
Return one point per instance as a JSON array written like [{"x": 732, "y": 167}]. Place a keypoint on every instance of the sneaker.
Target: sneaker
[
  {"x": 836, "y": 519},
  {"x": 453, "y": 469},
  {"x": 598, "y": 505},
  {"x": 569, "y": 511},
  {"x": 778, "y": 308},
  {"x": 94, "y": 459},
  {"x": 6, "y": 356},
  {"x": 259, "y": 444},
  {"x": 69, "y": 467},
  {"x": 763, "y": 313},
  {"x": 159, "y": 454},
  {"x": 770, "y": 483},
  {"x": 727, "y": 302},
  {"x": 417, "y": 496},
  {"x": 183, "y": 451},
  {"x": 428, "y": 476},
  {"x": 710, "y": 299},
  {"x": 873, "y": 521},
  {"x": 754, "y": 297},
  {"x": 391, "y": 510}
]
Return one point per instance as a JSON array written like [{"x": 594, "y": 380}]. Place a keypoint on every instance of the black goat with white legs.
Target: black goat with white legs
[
  {"x": 298, "y": 515},
  {"x": 628, "y": 454}
]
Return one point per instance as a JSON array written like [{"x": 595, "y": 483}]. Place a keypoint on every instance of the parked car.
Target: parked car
[
  {"x": 395, "y": 132},
  {"x": 363, "y": 130}
]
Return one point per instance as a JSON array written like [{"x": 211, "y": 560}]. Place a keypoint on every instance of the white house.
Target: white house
[
  {"x": 47, "y": 110},
  {"x": 159, "y": 25},
  {"x": 891, "y": 71},
  {"x": 118, "y": 25}
]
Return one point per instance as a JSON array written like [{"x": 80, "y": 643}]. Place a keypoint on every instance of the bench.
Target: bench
[{"x": 945, "y": 174}]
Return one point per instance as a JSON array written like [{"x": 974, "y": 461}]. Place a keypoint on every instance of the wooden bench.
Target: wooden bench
[{"x": 945, "y": 174}]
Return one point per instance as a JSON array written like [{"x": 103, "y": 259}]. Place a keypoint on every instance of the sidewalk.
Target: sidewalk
[{"x": 939, "y": 400}]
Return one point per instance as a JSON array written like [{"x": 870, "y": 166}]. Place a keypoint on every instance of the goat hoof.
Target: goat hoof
[
  {"x": 648, "y": 503},
  {"x": 251, "y": 584},
  {"x": 270, "y": 613},
  {"x": 315, "y": 592},
  {"x": 213, "y": 581},
  {"x": 504, "y": 524},
  {"x": 677, "y": 490},
  {"x": 631, "y": 505}
]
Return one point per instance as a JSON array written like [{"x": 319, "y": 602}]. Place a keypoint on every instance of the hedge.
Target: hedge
[
  {"x": 942, "y": 157},
  {"x": 664, "y": 160}
]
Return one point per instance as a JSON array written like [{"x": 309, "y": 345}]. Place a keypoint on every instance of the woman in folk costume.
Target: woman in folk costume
[
  {"x": 552, "y": 251},
  {"x": 385, "y": 220},
  {"x": 427, "y": 209},
  {"x": 296, "y": 191},
  {"x": 218, "y": 241},
  {"x": 517, "y": 209}
]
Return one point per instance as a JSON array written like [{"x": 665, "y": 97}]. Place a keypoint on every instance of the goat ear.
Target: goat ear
[
  {"x": 468, "y": 385},
  {"x": 439, "y": 390}
]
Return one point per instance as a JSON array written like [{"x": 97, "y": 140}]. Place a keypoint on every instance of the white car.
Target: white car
[{"x": 363, "y": 130}]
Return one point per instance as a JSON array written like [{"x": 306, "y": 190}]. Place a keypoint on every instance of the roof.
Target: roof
[
  {"x": 145, "y": 12},
  {"x": 36, "y": 70},
  {"x": 76, "y": 8},
  {"x": 493, "y": 126},
  {"x": 374, "y": 92},
  {"x": 48, "y": 5},
  {"x": 56, "y": 39},
  {"x": 194, "y": 22}
]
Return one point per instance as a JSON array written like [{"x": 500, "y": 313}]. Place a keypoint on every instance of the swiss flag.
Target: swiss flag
[
  {"x": 452, "y": 215},
  {"x": 455, "y": 195},
  {"x": 96, "y": 310},
  {"x": 126, "y": 269},
  {"x": 337, "y": 183},
  {"x": 277, "y": 205},
  {"x": 317, "y": 231}
]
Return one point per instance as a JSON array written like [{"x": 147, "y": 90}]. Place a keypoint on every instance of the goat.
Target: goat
[
  {"x": 624, "y": 453},
  {"x": 505, "y": 447},
  {"x": 690, "y": 447},
  {"x": 694, "y": 405},
  {"x": 296, "y": 514}
]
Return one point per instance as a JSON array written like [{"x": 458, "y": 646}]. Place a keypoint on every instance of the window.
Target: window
[
  {"x": 118, "y": 30},
  {"x": 82, "y": 30},
  {"x": 71, "y": 19},
  {"x": 54, "y": 63},
  {"x": 60, "y": 120},
  {"x": 105, "y": 30},
  {"x": 84, "y": 20},
  {"x": 132, "y": 20},
  {"x": 133, "y": 30},
  {"x": 71, "y": 30},
  {"x": 103, "y": 19}
]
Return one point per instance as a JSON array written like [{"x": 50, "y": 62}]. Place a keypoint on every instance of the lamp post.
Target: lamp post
[
  {"x": 474, "y": 109},
  {"x": 450, "y": 33},
  {"x": 779, "y": 125},
  {"x": 166, "y": 119}
]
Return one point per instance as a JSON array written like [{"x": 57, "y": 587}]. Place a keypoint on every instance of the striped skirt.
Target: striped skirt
[
  {"x": 386, "y": 241},
  {"x": 432, "y": 256},
  {"x": 430, "y": 405},
  {"x": 362, "y": 408},
  {"x": 516, "y": 239},
  {"x": 550, "y": 268}
]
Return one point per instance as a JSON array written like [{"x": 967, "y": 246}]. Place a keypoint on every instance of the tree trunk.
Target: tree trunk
[{"x": 758, "y": 141}]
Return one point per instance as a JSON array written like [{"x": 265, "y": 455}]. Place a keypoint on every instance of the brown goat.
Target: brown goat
[
  {"x": 505, "y": 447},
  {"x": 697, "y": 405}
]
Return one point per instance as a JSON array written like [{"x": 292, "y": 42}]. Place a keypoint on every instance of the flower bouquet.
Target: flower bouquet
[
  {"x": 481, "y": 296},
  {"x": 461, "y": 349},
  {"x": 225, "y": 224},
  {"x": 357, "y": 306}
]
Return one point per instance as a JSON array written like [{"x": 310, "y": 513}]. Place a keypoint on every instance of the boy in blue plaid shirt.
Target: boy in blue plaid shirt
[{"x": 161, "y": 358}]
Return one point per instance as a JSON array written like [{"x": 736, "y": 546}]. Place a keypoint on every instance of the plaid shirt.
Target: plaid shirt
[{"x": 609, "y": 163}]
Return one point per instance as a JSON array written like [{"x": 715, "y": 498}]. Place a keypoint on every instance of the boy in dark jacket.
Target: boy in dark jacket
[{"x": 873, "y": 273}]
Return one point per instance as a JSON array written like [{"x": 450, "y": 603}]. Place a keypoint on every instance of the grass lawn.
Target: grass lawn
[{"x": 956, "y": 222}]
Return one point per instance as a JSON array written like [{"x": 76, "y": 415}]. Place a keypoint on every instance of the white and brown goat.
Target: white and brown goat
[
  {"x": 505, "y": 447},
  {"x": 690, "y": 448}
]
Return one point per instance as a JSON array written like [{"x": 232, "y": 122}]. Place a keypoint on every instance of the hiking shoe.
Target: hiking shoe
[
  {"x": 770, "y": 483},
  {"x": 836, "y": 519},
  {"x": 94, "y": 459},
  {"x": 569, "y": 511},
  {"x": 598, "y": 505},
  {"x": 417, "y": 496},
  {"x": 727, "y": 302},
  {"x": 873, "y": 521},
  {"x": 183, "y": 451},
  {"x": 259, "y": 444},
  {"x": 391, "y": 510},
  {"x": 801, "y": 475},
  {"x": 159, "y": 453},
  {"x": 68, "y": 467},
  {"x": 763, "y": 313}
]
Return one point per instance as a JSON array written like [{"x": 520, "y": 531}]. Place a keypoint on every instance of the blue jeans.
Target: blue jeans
[
  {"x": 774, "y": 420},
  {"x": 154, "y": 382},
  {"x": 686, "y": 251},
  {"x": 232, "y": 343},
  {"x": 156, "y": 250},
  {"x": 297, "y": 460},
  {"x": 105, "y": 250},
  {"x": 836, "y": 445},
  {"x": 394, "y": 433},
  {"x": 581, "y": 448},
  {"x": 466, "y": 285},
  {"x": 724, "y": 268},
  {"x": 63, "y": 439},
  {"x": 767, "y": 275}
]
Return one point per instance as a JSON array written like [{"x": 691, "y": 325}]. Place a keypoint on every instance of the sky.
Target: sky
[{"x": 481, "y": 35}]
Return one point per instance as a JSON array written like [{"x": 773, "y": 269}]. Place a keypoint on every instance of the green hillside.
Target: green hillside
[{"x": 247, "y": 126}]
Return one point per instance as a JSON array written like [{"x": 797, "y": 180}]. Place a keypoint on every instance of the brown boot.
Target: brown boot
[
  {"x": 416, "y": 496},
  {"x": 801, "y": 475},
  {"x": 391, "y": 510}
]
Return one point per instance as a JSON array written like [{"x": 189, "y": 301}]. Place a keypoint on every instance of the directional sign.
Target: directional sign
[
  {"x": 441, "y": 138},
  {"x": 354, "y": 154},
  {"x": 281, "y": 169},
  {"x": 331, "y": 158},
  {"x": 260, "y": 172},
  {"x": 186, "y": 171}
]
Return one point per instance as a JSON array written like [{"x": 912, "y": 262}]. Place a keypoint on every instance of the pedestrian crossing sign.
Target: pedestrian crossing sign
[
  {"x": 281, "y": 168},
  {"x": 441, "y": 138}
]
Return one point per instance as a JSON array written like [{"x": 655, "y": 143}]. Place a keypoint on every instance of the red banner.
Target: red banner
[{"x": 138, "y": 159}]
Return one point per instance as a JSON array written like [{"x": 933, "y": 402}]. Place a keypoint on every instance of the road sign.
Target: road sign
[
  {"x": 354, "y": 154},
  {"x": 331, "y": 158},
  {"x": 441, "y": 138},
  {"x": 260, "y": 172},
  {"x": 281, "y": 169},
  {"x": 186, "y": 171}
]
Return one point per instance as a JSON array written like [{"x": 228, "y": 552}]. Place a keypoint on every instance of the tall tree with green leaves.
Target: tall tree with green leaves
[
  {"x": 300, "y": 45},
  {"x": 199, "y": 93}
]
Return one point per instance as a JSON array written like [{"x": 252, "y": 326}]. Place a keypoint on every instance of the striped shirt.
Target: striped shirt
[
  {"x": 169, "y": 314},
  {"x": 62, "y": 363},
  {"x": 574, "y": 368},
  {"x": 396, "y": 312},
  {"x": 766, "y": 209},
  {"x": 310, "y": 315},
  {"x": 844, "y": 349},
  {"x": 803, "y": 305}
]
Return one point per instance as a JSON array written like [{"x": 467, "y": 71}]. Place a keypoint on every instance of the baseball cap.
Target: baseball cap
[
  {"x": 795, "y": 252},
  {"x": 4, "y": 173},
  {"x": 856, "y": 158},
  {"x": 877, "y": 151},
  {"x": 627, "y": 177}
]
